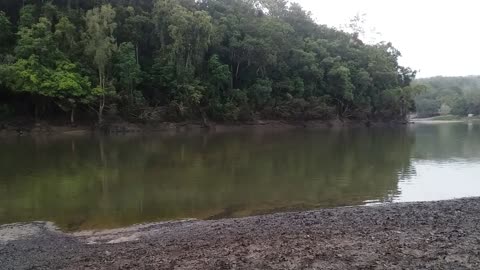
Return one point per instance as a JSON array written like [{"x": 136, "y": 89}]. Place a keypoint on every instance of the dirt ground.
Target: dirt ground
[{"x": 434, "y": 235}]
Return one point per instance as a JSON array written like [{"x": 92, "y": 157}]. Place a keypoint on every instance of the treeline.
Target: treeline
[
  {"x": 174, "y": 60},
  {"x": 449, "y": 95}
]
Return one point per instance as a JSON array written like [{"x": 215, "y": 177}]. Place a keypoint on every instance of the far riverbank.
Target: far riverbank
[
  {"x": 445, "y": 119},
  {"x": 433, "y": 235},
  {"x": 122, "y": 127}
]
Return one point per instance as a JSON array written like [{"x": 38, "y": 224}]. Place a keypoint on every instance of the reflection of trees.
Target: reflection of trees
[
  {"x": 119, "y": 181},
  {"x": 446, "y": 141}
]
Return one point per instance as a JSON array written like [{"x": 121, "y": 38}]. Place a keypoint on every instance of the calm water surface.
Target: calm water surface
[{"x": 106, "y": 182}]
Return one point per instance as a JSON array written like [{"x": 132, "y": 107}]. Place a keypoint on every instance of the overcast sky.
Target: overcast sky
[{"x": 436, "y": 37}]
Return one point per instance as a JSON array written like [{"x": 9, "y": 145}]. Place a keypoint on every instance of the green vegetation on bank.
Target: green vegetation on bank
[
  {"x": 457, "y": 96},
  {"x": 446, "y": 117},
  {"x": 226, "y": 60}
]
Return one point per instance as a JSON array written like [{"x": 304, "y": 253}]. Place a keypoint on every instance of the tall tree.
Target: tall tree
[
  {"x": 6, "y": 33},
  {"x": 127, "y": 70},
  {"x": 100, "y": 46},
  {"x": 42, "y": 70},
  {"x": 66, "y": 36}
]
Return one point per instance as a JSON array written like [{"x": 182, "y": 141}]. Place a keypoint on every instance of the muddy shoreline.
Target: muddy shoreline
[
  {"x": 42, "y": 128},
  {"x": 432, "y": 235}
]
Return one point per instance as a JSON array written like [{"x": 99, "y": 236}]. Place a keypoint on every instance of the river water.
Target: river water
[{"x": 94, "y": 182}]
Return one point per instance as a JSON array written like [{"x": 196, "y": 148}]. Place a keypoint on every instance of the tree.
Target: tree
[
  {"x": 100, "y": 46},
  {"x": 27, "y": 16},
  {"x": 398, "y": 102},
  {"x": 453, "y": 95},
  {"x": 260, "y": 92},
  {"x": 65, "y": 35},
  {"x": 127, "y": 70},
  {"x": 38, "y": 40},
  {"x": 220, "y": 59},
  {"x": 445, "y": 109},
  {"x": 63, "y": 84},
  {"x": 68, "y": 88},
  {"x": 341, "y": 88},
  {"x": 6, "y": 34},
  {"x": 135, "y": 27},
  {"x": 473, "y": 101},
  {"x": 42, "y": 70},
  {"x": 219, "y": 73},
  {"x": 190, "y": 33},
  {"x": 428, "y": 107},
  {"x": 36, "y": 55}
]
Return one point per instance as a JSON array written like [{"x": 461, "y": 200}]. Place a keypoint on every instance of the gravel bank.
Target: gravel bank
[{"x": 434, "y": 235}]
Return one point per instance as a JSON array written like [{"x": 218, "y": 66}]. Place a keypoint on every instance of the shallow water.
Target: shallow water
[{"x": 106, "y": 182}]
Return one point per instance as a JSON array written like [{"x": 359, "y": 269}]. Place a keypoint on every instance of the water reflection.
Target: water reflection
[
  {"x": 447, "y": 142},
  {"x": 446, "y": 159},
  {"x": 91, "y": 182}
]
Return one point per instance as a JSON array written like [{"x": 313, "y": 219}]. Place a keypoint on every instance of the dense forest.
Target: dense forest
[
  {"x": 175, "y": 60},
  {"x": 448, "y": 95}
]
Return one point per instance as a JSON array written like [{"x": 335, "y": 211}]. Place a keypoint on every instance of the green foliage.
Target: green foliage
[
  {"x": 398, "y": 102},
  {"x": 340, "y": 85},
  {"x": 42, "y": 70},
  {"x": 259, "y": 92},
  {"x": 38, "y": 40},
  {"x": 65, "y": 35},
  {"x": 127, "y": 70},
  {"x": 227, "y": 60},
  {"x": 449, "y": 95},
  {"x": 27, "y": 16},
  {"x": 100, "y": 46},
  {"x": 219, "y": 73},
  {"x": 63, "y": 82},
  {"x": 189, "y": 94},
  {"x": 67, "y": 83},
  {"x": 6, "y": 33},
  {"x": 427, "y": 107},
  {"x": 100, "y": 43},
  {"x": 28, "y": 75}
]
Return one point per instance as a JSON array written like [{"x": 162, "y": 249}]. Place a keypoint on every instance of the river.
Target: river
[{"x": 99, "y": 182}]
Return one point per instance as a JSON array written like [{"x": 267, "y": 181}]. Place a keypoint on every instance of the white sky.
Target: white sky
[{"x": 436, "y": 37}]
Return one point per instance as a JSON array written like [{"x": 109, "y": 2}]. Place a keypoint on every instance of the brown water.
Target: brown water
[{"x": 107, "y": 182}]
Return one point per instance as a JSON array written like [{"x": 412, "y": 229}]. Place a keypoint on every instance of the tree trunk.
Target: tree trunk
[
  {"x": 100, "y": 116},
  {"x": 101, "y": 103},
  {"x": 231, "y": 77},
  {"x": 187, "y": 60},
  {"x": 100, "y": 110},
  {"x": 162, "y": 39},
  {"x": 72, "y": 116},
  {"x": 204, "y": 118},
  {"x": 236, "y": 73},
  {"x": 35, "y": 112},
  {"x": 136, "y": 52},
  {"x": 131, "y": 96}
]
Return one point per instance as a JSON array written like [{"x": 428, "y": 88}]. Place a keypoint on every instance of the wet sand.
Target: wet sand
[{"x": 433, "y": 235}]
